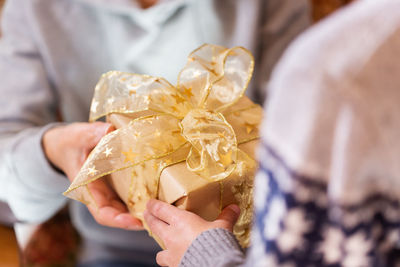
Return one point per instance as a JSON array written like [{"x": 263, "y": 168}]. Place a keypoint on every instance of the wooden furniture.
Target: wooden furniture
[
  {"x": 323, "y": 8},
  {"x": 9, "y": 255}
]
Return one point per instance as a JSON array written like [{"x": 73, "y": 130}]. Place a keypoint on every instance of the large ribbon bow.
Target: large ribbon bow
[{"x": 173, "y": 124}]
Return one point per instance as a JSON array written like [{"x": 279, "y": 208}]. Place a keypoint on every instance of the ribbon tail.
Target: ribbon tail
[
  {"x": 243, "y": 193},
  {"x": 139, "y": 150}
]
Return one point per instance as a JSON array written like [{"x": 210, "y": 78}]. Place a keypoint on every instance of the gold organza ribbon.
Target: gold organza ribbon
[{"x": 173, "y": 124}]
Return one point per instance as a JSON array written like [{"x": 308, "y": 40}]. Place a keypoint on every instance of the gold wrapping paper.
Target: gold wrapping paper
[
  {"x": 193, "y": 129},
  {"x": 191, "y": 192}
]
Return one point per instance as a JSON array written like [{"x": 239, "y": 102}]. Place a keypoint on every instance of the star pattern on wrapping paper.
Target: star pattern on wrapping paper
[
  {"x": 143, "y": 165},
  {"x": 176, "y": 132},
  {"x": 168, "y": 161},
  {"x": 131, "y": 203},
  {"x": 179, "y": 99},
  {"x": 149, "y": 121},
  {"x": 148, "y": 191},
  {"x": 250, "y": 127},
  {"x": 226, "y": 158},
  {"x": 129, "y": 155},
  {"x": 174, "y": 108},
  {"x": 188, "y": 92},
  {"x": 201, "y": 119},
  {"x": 209, "y": 69},
  {"x": 163, "y": 98},
  {"x": 146, "y": 99},
  {"x": 221, "y": 135},
  {"x": 92, "y": 171},
  {"x": 213, "y": 71},
  {"x": 233, "y": 53},
  {"x": 156, "y": 166},
  {"x": 108, "y": 151},
  {"x": 137, "y": 134}
]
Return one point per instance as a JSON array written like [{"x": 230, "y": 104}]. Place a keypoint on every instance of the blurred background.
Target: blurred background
[
  {"x": 57, "y": 234},
  {"x": 9, "y": 252},
  {"x": 322, "y": 8}
]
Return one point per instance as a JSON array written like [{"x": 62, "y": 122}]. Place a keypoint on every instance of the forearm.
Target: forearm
[
  {"x": 215, "y": 247},
  {"x": 31, "y": 186}
]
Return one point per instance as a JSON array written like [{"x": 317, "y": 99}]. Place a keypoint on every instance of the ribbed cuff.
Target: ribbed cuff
[{"x": 212, "y": 248}]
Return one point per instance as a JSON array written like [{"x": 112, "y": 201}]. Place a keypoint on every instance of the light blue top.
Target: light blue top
[{"x": 53, "y": 52}]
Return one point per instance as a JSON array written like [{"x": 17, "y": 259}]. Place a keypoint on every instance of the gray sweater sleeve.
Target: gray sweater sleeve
[
  {"x": 215, "y": 247},
  {"x": 29, "y": 184}
]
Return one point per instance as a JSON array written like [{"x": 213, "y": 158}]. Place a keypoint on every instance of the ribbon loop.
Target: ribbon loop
[
  {"x": 216, "y": 77},
  {"x": 129, "y": 93}
]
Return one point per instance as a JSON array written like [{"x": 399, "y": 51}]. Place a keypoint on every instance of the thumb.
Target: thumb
[
  {"x": 229, "y": 216},
  {"x": 99, "y": 129},
  {"x": 93, "y": 132}
]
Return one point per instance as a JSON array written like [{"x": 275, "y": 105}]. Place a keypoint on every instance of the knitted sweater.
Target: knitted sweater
[{"x": 327, "y": 191}]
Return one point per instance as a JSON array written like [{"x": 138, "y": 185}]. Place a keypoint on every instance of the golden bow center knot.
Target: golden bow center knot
[{"x": 213, "y": 142}]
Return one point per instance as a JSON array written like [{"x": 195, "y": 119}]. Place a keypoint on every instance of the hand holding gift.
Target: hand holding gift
[
  {"x": 67, "y": 148},
  {"x": 190, "y": 145},
  {"x": 178, "y": 228}
]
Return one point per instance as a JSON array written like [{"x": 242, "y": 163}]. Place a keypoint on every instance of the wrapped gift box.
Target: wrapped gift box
[
  {"x": 191, "y": 145},
  {"x": 189, "y": 191}
]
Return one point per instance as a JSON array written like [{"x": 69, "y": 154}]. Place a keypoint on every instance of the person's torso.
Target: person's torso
[{"x": 81, "y": 39}]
